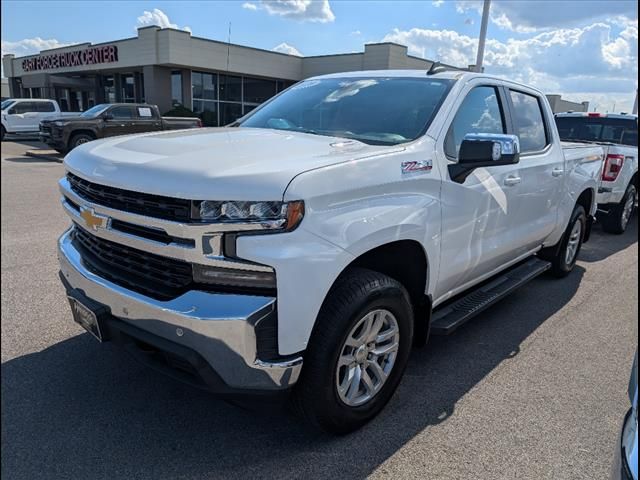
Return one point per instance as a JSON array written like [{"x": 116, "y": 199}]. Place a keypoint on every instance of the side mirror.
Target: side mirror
[
  {"x": 107, "y": 116},
  {"x": 12, "y": 111},
  {"x": 484, "y": 150}
]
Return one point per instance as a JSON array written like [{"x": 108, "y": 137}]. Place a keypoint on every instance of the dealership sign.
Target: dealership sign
[{"x": 75, "y": 58}]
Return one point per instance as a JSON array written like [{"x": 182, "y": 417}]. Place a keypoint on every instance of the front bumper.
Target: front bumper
[{"x": 219, "y": 328}]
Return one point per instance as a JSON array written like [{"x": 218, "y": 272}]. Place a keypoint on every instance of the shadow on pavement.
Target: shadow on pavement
[
  {"x": 82, "y": 410},
  {"x": 602, "y": 244},
  {"x": 33, "y": 159}
]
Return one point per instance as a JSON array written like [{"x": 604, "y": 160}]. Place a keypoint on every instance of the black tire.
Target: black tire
[
  {"x": 355, "y": 293},
  {"x": 78, "y": 139},
  {"x": 617, "y": 219},
  {"x": 561, "y": 266},
  {"x": 2, "y": 132}
]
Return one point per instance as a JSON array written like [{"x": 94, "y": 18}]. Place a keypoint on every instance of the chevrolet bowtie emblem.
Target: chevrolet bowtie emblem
[{"x": 92, "y": 219}]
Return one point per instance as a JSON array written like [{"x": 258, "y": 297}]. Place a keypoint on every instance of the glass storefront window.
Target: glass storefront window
[
  {"x": 258, "y": 90},
  {"x": 207, "y": 110},
  {"x": 229, "y": 112},
  {"x": 220, "y": 99},
  {"x": 230, "y": 88},
  {"x": 176, "y": 87}
]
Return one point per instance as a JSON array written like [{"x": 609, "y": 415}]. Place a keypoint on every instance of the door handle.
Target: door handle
[
  {"x": 556, "y": 172},
  {"x": 512, "y": 180}
]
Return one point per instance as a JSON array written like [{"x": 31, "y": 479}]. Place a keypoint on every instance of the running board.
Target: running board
[{"x": 447, "y": 319}]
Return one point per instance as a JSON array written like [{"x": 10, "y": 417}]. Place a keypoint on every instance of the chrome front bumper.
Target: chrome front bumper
[{"x": 219, "y": 327}]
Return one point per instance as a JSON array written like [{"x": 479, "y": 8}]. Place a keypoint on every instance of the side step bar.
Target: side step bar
[{"x": 448, "y": 318}]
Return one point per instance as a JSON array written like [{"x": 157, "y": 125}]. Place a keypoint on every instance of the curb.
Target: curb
[{"x": 50, "y": 155}]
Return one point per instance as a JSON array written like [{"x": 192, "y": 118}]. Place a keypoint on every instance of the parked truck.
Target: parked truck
[
  {"x": 22, "y": 116},
  {"x": 304, "y": 249},
  {"x": 108, "y": 120},
  {"x": 618, "y": 134}
]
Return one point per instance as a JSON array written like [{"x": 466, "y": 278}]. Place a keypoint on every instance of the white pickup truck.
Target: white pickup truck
[
  {"x": 618, "y": 134},
  {"x": 22, "y": 116},
  {"x": 309, "y": 245}
]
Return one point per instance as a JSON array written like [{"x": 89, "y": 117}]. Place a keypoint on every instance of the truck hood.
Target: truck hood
[{"x": 213, "y": 163}]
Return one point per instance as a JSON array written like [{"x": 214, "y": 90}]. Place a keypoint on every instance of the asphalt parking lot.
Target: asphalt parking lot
[{"x": 533, "y": 388}]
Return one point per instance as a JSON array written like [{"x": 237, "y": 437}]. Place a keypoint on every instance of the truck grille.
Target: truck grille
[
  {"x": 153, "y": 275},
  {"x": 156, "y": 206}
]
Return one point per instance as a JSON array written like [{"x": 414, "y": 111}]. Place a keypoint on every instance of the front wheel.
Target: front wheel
[
  {"x": 79, "y": 139},
  {"x": 357, "y": 353},
  {"x": 563, "y": 257},
  {"x": 617, "y": 219}
]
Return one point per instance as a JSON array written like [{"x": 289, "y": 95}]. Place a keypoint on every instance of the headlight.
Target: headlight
[
  {"x": 265, "y": 215},
  {"x": 59, "y": 124}
]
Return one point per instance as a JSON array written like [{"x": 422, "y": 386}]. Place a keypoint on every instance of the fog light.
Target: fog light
[{"x": 232, "y": 277}]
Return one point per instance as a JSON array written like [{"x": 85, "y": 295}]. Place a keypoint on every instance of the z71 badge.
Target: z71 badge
[{"x": 417, "y": 166}]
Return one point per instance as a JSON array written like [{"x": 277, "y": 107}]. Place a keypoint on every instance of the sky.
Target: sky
[{"x": 584, "y": 50}]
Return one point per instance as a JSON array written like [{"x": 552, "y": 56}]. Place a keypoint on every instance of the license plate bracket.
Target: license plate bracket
[{"x": 86, "y": 317}]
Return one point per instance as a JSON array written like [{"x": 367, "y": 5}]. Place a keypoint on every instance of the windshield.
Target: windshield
[
  {"x": 95, "y": 111},
  {"x": 373, "y": 110},
  {"x": 6, "y": 104},
  {"x": 622, "y": 131}
]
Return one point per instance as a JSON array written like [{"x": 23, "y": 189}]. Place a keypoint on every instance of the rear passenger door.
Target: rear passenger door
[
  {"x": 146, "y": 120},
  {"x": 541, "y": 167}
]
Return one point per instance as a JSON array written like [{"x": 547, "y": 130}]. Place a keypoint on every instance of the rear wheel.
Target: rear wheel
[
  {"x": 79, "y": 139},
  {"x": 357, "y": 354},
  {"x": 563, "y": 256},
  {"x": 617, "y": 219}
]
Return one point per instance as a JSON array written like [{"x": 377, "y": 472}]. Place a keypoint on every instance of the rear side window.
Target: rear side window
[
  {"x": 122, "y": 112},
  {"x": 622, "y": 131},
  {"x": 46, "y": 107},
  {"x": 480, "y": 112},
  {"x": 529, "y": 122}
]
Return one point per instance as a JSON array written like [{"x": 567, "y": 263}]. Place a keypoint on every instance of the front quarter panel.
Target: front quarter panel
[{"x": 350, "y": 208}]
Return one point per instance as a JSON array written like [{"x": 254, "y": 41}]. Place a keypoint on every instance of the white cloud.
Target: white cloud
[
  {"x": 286, "y": 48},
  {"x": 356, "y": 33},
  {"x": 596, "y": 58},
  {"x": 437, "y": 3},
  {"x": 526, "y": 16},
  {"x": 29, "y": 46},
  {"x": 159, "y": 18},
  {"x": 303, "y": 10}
]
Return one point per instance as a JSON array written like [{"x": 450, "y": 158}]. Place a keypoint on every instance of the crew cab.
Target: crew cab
[
  {"x": 108, "y": 120},
  {"x": 22, "y": 116},
  {"x": 618, "y": 134},
  {"x": 304, "y": 249}
]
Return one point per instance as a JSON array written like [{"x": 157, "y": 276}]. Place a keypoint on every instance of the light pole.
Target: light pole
[
  {"x": 635, "y": 104},
  {"x": 483, "y": 35}
]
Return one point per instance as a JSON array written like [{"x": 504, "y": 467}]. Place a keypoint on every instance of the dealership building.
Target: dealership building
[{"x": 167, "y": 67}]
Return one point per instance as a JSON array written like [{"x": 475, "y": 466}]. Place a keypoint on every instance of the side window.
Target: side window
[
  {"x": 24, "y": 107},
  {"x": 480, "y": 112},
  {"x": 529, "y": 122},
  {"x": 122, "y": 113},
  {"x": 46, "y": 107}
]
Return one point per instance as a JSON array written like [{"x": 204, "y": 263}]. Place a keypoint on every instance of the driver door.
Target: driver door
[{"x": 479, "y": 214}]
